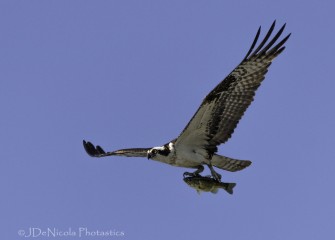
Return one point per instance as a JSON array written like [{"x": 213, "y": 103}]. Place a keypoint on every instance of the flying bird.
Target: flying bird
[{"x": 216, "y": 118}]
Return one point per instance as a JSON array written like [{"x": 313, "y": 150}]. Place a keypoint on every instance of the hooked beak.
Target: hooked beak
[{"x": 149, "y": 156}]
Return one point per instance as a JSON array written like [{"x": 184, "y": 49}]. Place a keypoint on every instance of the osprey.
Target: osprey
[{"x": 216, "y": 118}]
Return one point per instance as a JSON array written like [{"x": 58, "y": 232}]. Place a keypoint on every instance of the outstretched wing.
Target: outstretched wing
[
  {"x": 99, "y": 152},
  {"x": 223, "y": 107}
]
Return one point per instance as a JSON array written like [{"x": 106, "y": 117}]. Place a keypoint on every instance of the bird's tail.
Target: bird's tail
[{"x": 229, "y": 164}]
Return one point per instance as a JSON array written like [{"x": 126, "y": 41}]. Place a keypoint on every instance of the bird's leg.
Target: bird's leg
[
  {"x": 215, "y": 175},
  {"x": 199, "y": 170},
  {"x": 196, "y": 173}
]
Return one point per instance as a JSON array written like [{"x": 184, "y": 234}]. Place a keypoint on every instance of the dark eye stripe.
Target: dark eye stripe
[{"x": 164, "y": 152}]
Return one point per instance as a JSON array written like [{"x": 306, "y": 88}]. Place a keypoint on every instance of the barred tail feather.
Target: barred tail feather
[{"x": 229, "y": 164}]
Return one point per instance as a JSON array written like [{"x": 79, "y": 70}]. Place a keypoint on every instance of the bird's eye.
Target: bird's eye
[{"x": 154, "y": 151}]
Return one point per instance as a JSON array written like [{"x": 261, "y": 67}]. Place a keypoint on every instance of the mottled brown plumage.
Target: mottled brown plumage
[{"x": 224, "y": 106}]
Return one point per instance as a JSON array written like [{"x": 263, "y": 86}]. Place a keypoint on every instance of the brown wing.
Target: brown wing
[
  {"x": 99, "y": 152},
  {"x": 223, "y": 107}
]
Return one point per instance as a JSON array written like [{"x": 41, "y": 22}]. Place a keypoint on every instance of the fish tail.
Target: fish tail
[{"x": 228, "y": 187}]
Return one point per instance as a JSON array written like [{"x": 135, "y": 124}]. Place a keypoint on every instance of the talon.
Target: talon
[
  {"x": 196, "y": 173},
  {"x": 187, "y": 174},
  {"x": 215, "y": 175}
]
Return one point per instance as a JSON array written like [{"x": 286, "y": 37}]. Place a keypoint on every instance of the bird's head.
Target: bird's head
[{"x": 161, "y": 151}]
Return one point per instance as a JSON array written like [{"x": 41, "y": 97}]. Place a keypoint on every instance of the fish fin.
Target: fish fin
[
  {"x": 198, "y": 191},
  {"x": 230, "y": 187},
  {"x": 215, "y": 190}
]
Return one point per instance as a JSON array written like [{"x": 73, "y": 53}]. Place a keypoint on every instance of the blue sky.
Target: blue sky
[{"x": 131, "y": 74}]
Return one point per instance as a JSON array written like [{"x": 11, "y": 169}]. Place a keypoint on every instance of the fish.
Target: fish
[{"x": 208, "y": 184}]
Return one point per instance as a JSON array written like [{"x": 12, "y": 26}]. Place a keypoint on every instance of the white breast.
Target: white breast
[{"x": 186, "y": 157}]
